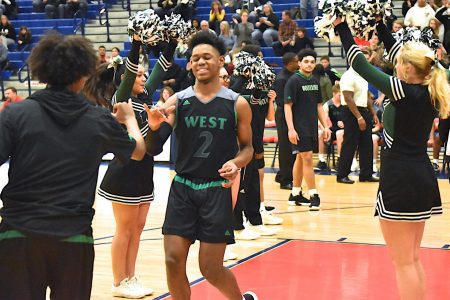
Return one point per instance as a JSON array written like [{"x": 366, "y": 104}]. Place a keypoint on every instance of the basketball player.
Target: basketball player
[{"x": 209, "y": 119}]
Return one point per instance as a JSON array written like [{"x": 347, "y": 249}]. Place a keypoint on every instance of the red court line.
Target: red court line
[{"x": 323, "y": 270}]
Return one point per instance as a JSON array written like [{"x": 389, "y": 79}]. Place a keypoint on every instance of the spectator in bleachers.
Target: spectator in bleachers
[
  {"x": 249, "y": 5},
  {"x": 216, "y": 15},
  {"x": 334, "y": 75},
  {"x": 285, "y": 157},
  {"x": 172, "y": 76},
  {"x": 397, "y": 25},
  {"x": 70, "y": 7},
  {"x": 244, "y": 29},
  {"x": 286, "y": 34},
  {"x": 266, "y": 26},
  {"x": 376, "y": 50},
  {"x": 407, "y": 4},
  {"x": 204, "y": 26},
  {"x": 115, "y": 54},
  {"x": 49, "y": 6},
  {"x": 9, "y": 8},
  {"x": 3, "y": 54},
  {"x": 325, "y": 83},
  {"x": 301, "y": 41},
  {"x": 10, "y": 97},
  {"x": 225, "y": 35},
  {"x": 186, "y": 9},
  {"x": 444, "y": 17},
  {"x": 419, "y": 15},
  {"x": 435, "y": 25},
  {"x": 102, "y": 56},
  {"x": 333, "y": 112},
  {"x": 165, "y": 7},
  {"x": 196, "y": 24},
  {"x": 304, "y": 8},
  {"x": 8, "y": 31},
  {"x": 164, "y": 94},
  {"x": 24, "y": 38}
]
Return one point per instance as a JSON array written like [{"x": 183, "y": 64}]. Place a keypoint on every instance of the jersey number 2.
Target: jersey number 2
[{"x": 202, "y": 150}]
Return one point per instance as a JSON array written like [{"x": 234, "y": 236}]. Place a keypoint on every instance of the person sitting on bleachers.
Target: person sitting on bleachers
[
  {"x": 24, "y": 38},
  {"x": 196, "y": 24},
  {"x": 68, "y": 8},
  {"x": 228, "y": 39},
  {"x": 185, "y": 8},
  {"x": 49, "y": 6},
  {"x": 301, "y": 41},
  {"x": 286, "y": 34},
  {"x": 10, "y": 97},
  {"x": 8, "y": 8},
  {"x": 397, "y": 25},
  {"x": 249, "y": 5},
  {"x": 244, "y": 29},
  {"x": 419, "y": 15},
  {"x": 204, "y": 26},
  {"x": 304, "y": 8},
  {"x": 266, "y": 26},
  {"x": 216, "y": 15},
  {"x": 165, "y": 7},
  {"x": 102, "y": 56},
  {"x": 333, "y": 111},
  {"x": 115, "y": 54},
  {"x": 334, "y": 75},
  {"x": 164, "y": 94},
  {"x": 8, "y": 31}
]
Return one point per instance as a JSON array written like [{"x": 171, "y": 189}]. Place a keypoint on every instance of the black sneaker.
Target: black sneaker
[
  {"x": 269, "y": 208},
  {"x": 298, "y": 200},
  {"x": 436, "y": 167},
  {"x": 315, "y": 202},
  {"x": 249, "y": 296},
  {"x": 321, "y": 165}
]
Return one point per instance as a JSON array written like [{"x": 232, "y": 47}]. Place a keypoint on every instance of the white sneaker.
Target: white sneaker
[
  {"x": 375, "y": 168},
  {"x": 263, "y": 230},
  {"x": 269, "y": 219},
  {"x": 229, "y": 254},
  {"x": 355, "y": 166},
  {"x": 126, "y": 290},
  {"x": 246, "y": 234},
  {"x": 134, "y": 281}
]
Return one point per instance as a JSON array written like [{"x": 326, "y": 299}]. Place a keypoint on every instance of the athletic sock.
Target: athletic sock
[
  {"x": 312, "y": 192},
  {"x": 296, "y": 191}
]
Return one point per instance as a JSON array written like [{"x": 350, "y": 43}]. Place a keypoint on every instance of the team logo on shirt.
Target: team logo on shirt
[{"x": 310, "y": 87}]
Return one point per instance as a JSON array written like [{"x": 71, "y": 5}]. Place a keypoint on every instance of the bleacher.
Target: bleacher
[{"x": 38, "y": 25}]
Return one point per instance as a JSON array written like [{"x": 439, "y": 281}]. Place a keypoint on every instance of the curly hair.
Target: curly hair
[
  {"x": 62, "y": 60},
  {"x": 208, "y": 38}
]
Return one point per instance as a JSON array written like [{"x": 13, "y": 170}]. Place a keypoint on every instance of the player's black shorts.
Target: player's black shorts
[
  {"x": 199, "y": 209},
  {"x": 306, "y": 144}
]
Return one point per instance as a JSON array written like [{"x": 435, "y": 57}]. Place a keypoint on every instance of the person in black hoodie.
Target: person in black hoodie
[{"x": 55, "y": 141}]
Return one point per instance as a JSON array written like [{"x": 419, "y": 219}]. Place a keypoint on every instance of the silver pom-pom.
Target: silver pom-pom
[
  {"x": 260, "y": 75},
  {"x": 177, "y": 28},
  {"x": 148, "y": 26},
  {"x": 424, "y": 36}
]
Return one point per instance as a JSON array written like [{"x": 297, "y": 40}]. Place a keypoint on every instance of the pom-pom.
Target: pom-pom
[
  {"x": 148, "y": 26},
  {"x": 177, "y": 28},
  {"x": 260, "y": 75},
  {"x": 424, "y": 36},
  {"x": 324, "y": 29}
]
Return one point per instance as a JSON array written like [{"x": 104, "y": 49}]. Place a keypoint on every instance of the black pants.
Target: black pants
[
  {"x": 285, "y": 157},
  {"x": 249, "y": 197},
  {"x": 355, "y": 138},
  {"x": 29, "y": 265}
]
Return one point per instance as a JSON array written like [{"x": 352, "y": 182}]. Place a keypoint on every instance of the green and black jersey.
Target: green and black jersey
[
  {"x": 304, "y": 94},
  {"x": 205, "y": 132},
  {"x": 409, "y": 114}
]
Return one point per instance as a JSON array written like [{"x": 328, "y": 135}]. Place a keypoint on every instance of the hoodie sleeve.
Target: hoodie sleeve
[{"x": 6, "y": 135}]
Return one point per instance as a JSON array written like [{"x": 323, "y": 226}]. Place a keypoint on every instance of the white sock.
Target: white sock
[
  {"x": 374, "y": 161},
  {"x": 312, "y": 192},
  {"x": 262, "y": 207},
  {"x": 322, "y": 157},
  {"x": 436, "y": 161},
  {"x": 296, "y": 191},
  {"x": 354, "y": 161}
]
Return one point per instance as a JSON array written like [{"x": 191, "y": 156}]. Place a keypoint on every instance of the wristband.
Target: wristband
[{"x": 360, "y": 117}]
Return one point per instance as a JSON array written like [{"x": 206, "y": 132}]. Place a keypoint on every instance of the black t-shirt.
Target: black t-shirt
[
  {"x": 304, "y": 94},
  {"x": 335, "y": 114},
  {"x": 272, "y": 18},
  {"x": 206, "y": 133},
  {"x": 279, "y": 86},
  {"x": 54, "y": 154}
]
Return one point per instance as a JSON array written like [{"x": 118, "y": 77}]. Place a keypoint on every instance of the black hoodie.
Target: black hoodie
[{"x": 55, "y": 141}]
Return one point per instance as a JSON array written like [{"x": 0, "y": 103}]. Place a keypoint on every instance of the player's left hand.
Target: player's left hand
[
  {"x": 228, "y": 171},
  {"x": 272, "y": 95}
]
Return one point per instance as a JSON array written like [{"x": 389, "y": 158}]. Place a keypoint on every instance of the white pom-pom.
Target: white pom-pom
[
  {"x": 259, "y": 74},
  {"x": 148, "y": 26}
]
